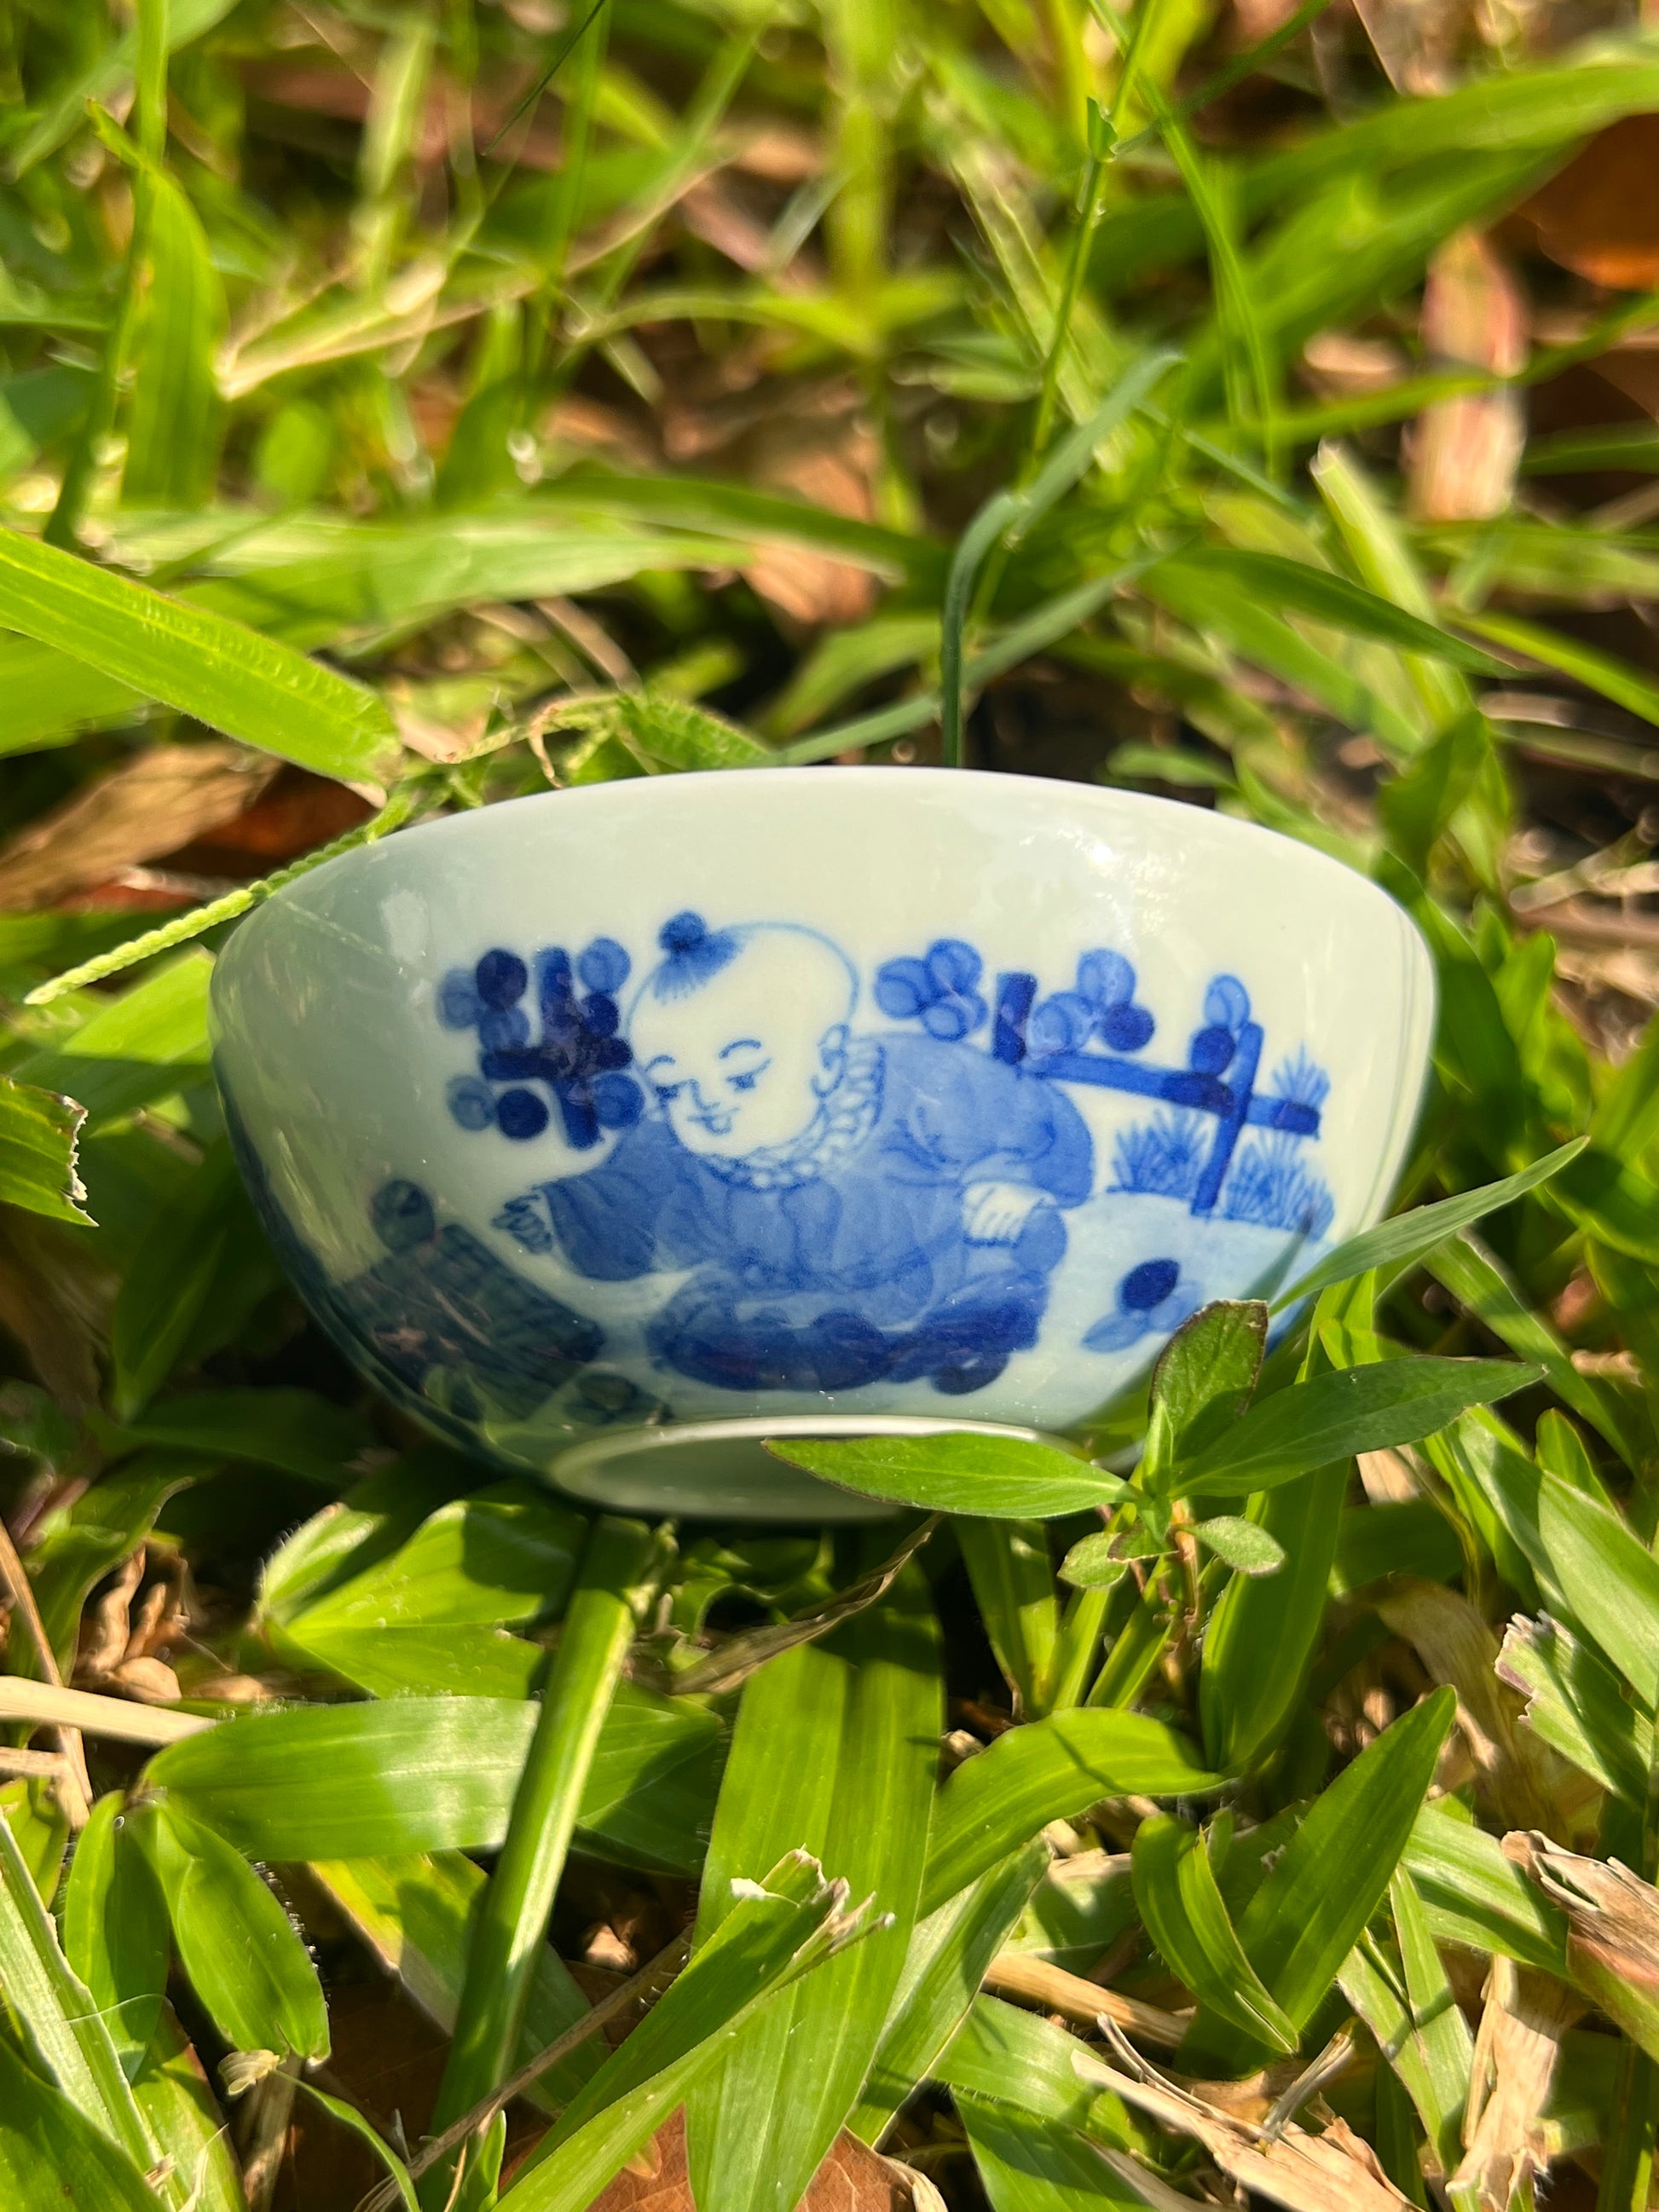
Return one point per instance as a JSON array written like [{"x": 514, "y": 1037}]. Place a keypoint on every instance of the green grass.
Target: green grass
[{"x": 438, "y": 403}]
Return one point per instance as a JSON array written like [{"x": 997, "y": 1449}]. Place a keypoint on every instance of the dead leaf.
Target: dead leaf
[
  {"x": 55, "y": 1299},
  {"x": 150, "y": 1681},
  {"x": 297, "y": 812},
  {"x": 1415, "y": 40},
  {"x": 1600, "y": 216},
  {"x": 107, "y": 1624},
  {"x": 157, "y": 801},
  {"x": 1030, "y": 1980},
  {"x": 853, "y": 2179},
  {"x": 1517, "y": 1771},
  {"x": 815, "y": 442},
  {"x": 1612, "y": 1922},
  {"x": 1333, "y": 2172},
  {"x": 1465, "y": 451},
  {"x": 1387, "y": 1478},
  {"x": 1516, "y": 2053}
]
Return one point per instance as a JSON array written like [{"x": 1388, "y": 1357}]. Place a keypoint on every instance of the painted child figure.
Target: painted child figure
[{"x": 854, "y": 1208}]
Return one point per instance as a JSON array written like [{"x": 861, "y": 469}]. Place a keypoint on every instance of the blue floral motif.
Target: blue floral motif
[
  {"x": 1151, "y": 1301},
  {"x": 1102, "y": 1008},
  {"x": 577, "y": 1058},
  {"x": 936, "y": 990}
]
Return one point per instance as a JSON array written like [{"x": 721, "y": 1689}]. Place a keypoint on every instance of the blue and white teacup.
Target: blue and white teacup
[{"x": 614, "y": 1130}]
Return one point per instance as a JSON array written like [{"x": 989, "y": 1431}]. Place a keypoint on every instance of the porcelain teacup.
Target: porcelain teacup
[{"x": 616, "y": 1130}]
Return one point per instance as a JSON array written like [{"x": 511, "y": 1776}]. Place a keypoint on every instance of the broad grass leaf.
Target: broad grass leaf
[
  {"x": 505, "y": 1553},
  {"x": 1017, "y": 2058},
  {"x": 1294, "y": 586},
  {"x": 53, "y": 2158},
  {"x": 237, "y": 1946},
  {"x": 147, "y": 1044},
  {"x": 837, "y": 1746},
  {"x": 1417, "y": 807},
  {"x": 1049, "y": 1770},
  {"x": 1215, "y": 605},
  {"x": 1609, "y": 1580},
  {"x": 115, "y": 1929},
  {"x": 776, "y": 1931},
  {"x": 375, "y": 1518},
  {"x": 1373, "y": 1982},
  {"x": 1380, "y": 550},
  {"x": 349, "y": 2117},
  {"x": 1005, "y": 1477},
  {"x": 1182, "y": 1911},
  {"x": 944, "y": 1966},
  {"x": 454, "y": 1661},
  {"x": 175, "y": 416},
  {"x": 1244, "y": 1706},
  {"x": 1614, "y": 679},
  {"x": 172, "y": 2094},
  {"x": 1202, "y": 1382},
  {"x": 311, "y": 582},
  {"x": 250, "y": 686},
  {"x": 423, "y": 1774},
  {"x": 1625, "y": 1121},
  {"x": 1477, "y": 1058},
  {"x": 1026, "y": 2166},
  {"x": 50, "y": 698},
  {"x": 68, "y": 2043},
  {"x": 1302, "y": 1923},
  {"x": 1472, "y": 1897},
  {"x": 1440, "y": 2033},
  {"x": 415, "y": 1914},
  {"x": 39, "y": 1137},
  {"x": 294, "y": 1431},
  {"x": 1575, "y": 1703},
  {"x": 1013, "y": 1585},
  {"x": 1396, "y": 1244},
  {"x": 1329, "y": 1417},
  {"x": 1616, "y": 1202},
  {"x": 171, "y": 1278},
  {"x": 1475, "y": 1277}
]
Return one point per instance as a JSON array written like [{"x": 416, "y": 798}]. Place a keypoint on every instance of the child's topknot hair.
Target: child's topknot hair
[{"x": 695, "y": 953}]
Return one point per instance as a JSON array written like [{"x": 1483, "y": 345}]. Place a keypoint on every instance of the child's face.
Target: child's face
[{"x": 740, "y": 1065}]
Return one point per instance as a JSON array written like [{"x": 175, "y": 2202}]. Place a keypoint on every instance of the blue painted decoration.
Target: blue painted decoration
[
  {"x": 844, "y": 1207},
  {"x": 576, "y": 1061}
]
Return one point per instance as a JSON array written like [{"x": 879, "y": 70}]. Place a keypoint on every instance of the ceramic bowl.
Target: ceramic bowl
[{"x": 614, "y": 1130}]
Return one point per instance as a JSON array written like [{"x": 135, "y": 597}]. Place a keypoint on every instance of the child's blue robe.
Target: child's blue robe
[{"x": 857, "y": 1272}]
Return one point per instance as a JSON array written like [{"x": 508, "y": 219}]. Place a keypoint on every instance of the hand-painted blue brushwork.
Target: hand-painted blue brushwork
[
  {"x": 1101, "y": 1009},
  {"x": 1186, "y": 1154},
  {"x": 1267, "y": 1182},
  {"x": 448, "y": 1325},
  {"x": 854, "y": 1209},
  {"x": 937, "y": 990},
  {"x": 576, "y": 1060},
  {"x": 442, "y": 1299},
  {"x": 1151, "y": 1301},
  {"x": 849, "y": 1207}
]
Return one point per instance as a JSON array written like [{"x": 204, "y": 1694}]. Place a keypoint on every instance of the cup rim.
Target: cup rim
[{"x": 1052, "y": 795}]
